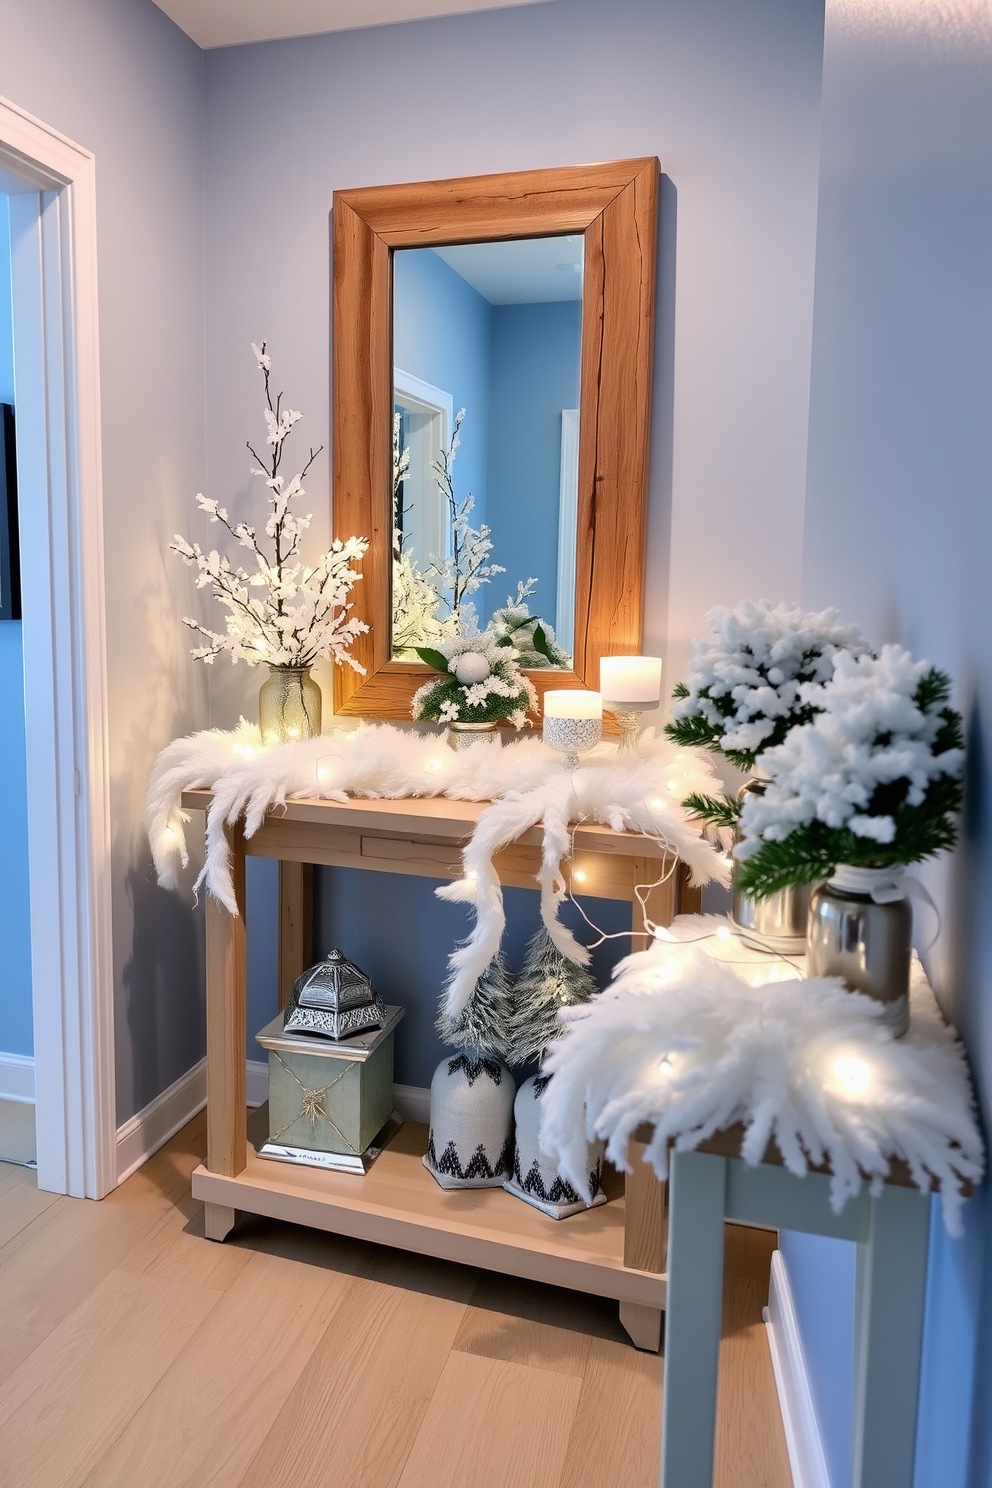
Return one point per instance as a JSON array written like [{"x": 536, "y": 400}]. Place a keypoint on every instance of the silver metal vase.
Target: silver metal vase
[
  {"x": 865, "y": 940},
  {"x": 777, "y": 923}
]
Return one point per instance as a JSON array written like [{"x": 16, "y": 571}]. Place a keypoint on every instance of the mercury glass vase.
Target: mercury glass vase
[
  {"x": 865, "y": 940},
  {"x": 777, "y": 923},
  {"x": 289, "y": 705},
  {"x": 464, "y": 735}
]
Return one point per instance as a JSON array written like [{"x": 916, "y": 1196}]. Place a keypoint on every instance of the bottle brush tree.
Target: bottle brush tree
[
  {"x": 548, "y": 982},
  {"x": 484, "y": 1023}
]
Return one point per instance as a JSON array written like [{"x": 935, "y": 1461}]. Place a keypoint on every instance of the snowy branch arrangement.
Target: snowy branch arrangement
[
  {"x": 468, "y": 566},
  {"x": 755, "y": 677},
  {"x": 279, "y": 610},
  {"x": 415, "y": 600},
  {"x": 874, "y": 779},
  {"x": 686, "y": 1042},
  {"x": 481, "y": 682}
]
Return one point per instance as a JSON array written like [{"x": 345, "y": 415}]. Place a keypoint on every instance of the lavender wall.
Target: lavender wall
[
  {"x": 898, "y": 532},
  {"x": 726, "y": 92},
  {"x": 119, "y": 78}
]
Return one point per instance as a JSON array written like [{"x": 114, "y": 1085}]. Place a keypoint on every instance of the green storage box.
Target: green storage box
[{"x": 328, "y": 1100}]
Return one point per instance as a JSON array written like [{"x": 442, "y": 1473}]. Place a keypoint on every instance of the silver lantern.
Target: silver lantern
[{"x": 334, "y": 999}]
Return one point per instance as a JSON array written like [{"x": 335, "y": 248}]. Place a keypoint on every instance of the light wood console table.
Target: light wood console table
[{"x": 616, "y": 1250}]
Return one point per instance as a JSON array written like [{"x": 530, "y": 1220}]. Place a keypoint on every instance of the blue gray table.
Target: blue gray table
[{"x": 891, "y": 1232}]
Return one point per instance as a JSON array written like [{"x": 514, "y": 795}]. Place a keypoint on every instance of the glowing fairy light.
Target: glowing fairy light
[
  {"x": 665, "y": 1064},
  {"x": 724, "y": 932},
  {"x": 851, "y": 1075},
  {"x": 673, "y": 785},
  {"x": 245, "y": 751},
  {"x": 434, "y": 766},
  {"x": 656, "y": 804},
  {"x": 580, "y": 875}
]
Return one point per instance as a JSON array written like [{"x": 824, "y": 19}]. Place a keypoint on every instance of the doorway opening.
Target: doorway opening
[{"x": 49, "y": 185}]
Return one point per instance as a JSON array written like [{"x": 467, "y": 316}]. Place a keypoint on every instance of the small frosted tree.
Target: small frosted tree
[
  {"x": 484, "y": 1022},
  {"x": 547, "y": 983}
]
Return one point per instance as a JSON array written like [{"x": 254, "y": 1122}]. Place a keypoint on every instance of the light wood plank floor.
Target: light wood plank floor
[{"x": 136, "y": 1354}]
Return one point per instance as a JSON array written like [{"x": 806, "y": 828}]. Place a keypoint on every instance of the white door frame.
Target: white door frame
[{"x": 60, "y": 496}]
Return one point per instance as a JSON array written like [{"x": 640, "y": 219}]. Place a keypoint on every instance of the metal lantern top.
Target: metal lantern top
[{"x": 334, "y": 999}]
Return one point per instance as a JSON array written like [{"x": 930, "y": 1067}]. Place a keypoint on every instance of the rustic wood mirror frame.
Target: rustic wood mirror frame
[{"x": 616, "y": 207}]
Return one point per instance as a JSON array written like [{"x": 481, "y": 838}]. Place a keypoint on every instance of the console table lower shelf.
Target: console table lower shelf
[{"x": 398, "y": 1203}]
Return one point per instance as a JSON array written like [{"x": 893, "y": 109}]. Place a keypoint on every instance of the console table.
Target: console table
[{"x": 616, "y": 1250}]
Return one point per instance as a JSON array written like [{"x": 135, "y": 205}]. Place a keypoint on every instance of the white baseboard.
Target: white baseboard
[
  {"x": 413, "y": 1102},
  {"x": 17, "y": 1078},
  {"x": 795, "y": 1397},
  {"x": 152, "y": 1127},
  {"x": 257, "y": 1082}
]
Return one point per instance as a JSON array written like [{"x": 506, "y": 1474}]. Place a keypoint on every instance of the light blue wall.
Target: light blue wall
[
  {"x": 898, "y": 532},
  {"x": 535, "y": 374},
  {"x": 441, "y": 333},
  {"x": 16, "y": 1033}
]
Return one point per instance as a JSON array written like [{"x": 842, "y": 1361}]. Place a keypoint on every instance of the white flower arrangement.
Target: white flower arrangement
[
  {"x": 281, "y": 612},
  {"x": 756, "y": 676},
  {"x": 874, "y": 778},
  {"x": 481, "y": 683}
]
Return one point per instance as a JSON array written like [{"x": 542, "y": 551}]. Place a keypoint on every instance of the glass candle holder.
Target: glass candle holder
[
  {"x": 631, "y": 686},
  {"x": 573, "y": 722}
]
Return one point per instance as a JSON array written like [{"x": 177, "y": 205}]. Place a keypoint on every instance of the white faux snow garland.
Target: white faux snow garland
[
  {"x": 684, "y": 1042},
  {"x": 525, "y": 780}
]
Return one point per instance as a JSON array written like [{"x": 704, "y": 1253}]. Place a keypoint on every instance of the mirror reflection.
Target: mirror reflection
[{"x": 486, "y": 346}]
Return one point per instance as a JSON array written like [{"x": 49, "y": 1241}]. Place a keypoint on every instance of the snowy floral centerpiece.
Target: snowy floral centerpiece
[
  {"x": 280, "y": 610},
  {"x": 481, "y": 683},
  {"x": 873, "y": 779}
]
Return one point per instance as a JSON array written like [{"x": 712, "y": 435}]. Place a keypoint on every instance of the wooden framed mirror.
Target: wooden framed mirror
[{"x": 612, "y": 211}]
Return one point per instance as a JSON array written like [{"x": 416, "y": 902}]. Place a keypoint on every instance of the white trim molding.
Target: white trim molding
[
  {"x": 17, "y": 1078},
  {"x": 795, "y": 1397},
  {"x": 52, "y": 186}
]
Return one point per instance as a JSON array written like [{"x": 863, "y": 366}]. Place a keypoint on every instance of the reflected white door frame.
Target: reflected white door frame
[
  {"x": 433, "y": 419},
  {"x": 51, "y": 183}
]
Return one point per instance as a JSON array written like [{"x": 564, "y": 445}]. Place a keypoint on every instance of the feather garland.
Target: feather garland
[
  {"x": 525, "y": 780},
  {"x": 684, "y": 1042}
]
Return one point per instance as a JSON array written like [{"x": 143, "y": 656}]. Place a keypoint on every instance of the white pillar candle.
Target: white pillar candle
[
  {"x": 630, "y": 679},
  {"x": 572, "y": 703}
]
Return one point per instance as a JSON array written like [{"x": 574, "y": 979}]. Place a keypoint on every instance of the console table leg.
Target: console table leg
[
  {"x": 226, "y": 1024},
  {"x": 888, "y": 1340},
  {"x": 692, "y": 1327},
  {"x": 645, "y": 1239},
  {"x": 218, "y": 1221},
  {"x": 642, "y": 1325}
]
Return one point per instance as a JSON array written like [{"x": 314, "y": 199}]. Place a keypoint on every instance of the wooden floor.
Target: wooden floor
[{"x": 136, "y": 1354}]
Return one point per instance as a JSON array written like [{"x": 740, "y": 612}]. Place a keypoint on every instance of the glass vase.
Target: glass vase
[{"x": 289, "y": 705}]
